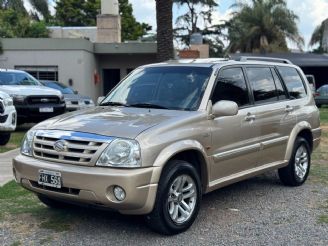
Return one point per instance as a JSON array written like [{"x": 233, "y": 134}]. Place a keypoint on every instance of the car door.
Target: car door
[
  {"x": 235, "y": 145},
  {"x": 273, "y": 114}
]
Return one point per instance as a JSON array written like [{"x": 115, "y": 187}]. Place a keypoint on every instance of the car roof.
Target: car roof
[
  {"x": 220, "y": 62},
  {"x": 11, "y": 70}
]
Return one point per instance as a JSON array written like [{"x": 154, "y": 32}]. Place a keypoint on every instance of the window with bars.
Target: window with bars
[{"x": 41, "y": 72}]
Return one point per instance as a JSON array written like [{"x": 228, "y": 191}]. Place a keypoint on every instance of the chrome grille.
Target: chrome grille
[{"x": 77, "y": 148}]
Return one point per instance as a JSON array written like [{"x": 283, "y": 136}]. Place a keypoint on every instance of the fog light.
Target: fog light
[{"x": 119, "y": 193}]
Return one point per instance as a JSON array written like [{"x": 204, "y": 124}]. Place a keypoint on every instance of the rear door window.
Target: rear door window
[
  {"x": 262, "y": 83},
  {"x": 231, "y": 86},
  {"x": 293, "y": 81}
]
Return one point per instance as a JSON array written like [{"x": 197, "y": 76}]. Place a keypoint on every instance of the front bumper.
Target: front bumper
[
  {"x": 8, "y": 120},
  {"x": 91, "y": 185}
]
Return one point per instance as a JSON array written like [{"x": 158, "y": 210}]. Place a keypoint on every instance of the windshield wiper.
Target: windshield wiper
[
  {"x": 114, "y": 104},
  {"x": 147, "y": 105}
]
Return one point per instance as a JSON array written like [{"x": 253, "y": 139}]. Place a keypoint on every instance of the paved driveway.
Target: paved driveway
[{"x": 6, "y": 173}]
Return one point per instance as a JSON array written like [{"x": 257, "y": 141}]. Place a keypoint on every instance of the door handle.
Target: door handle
[
  {"x": 289, "y": 109},
  {"x": 250, "y": 117}
]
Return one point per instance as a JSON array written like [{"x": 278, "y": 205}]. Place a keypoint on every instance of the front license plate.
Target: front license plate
[
  {"x": 50, "y": 178},
  {"x": 46, "y": 110}
]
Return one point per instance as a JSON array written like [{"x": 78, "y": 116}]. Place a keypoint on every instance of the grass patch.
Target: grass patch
[
  {"x": 324, "y": 115},
  {"x": 323, "y": 219},
  {"x": 15, "y": 200},
  {"x": 14, "y": 143}
]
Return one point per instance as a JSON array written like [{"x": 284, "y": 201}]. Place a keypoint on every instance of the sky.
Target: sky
[{"x": 311, "y": 13}]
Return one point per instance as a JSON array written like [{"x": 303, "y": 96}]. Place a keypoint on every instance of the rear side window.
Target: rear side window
[
  {"x": 293, "y": 82},
  {"x": 263, "y": 86},
  {"x": 231, "y": 85}
]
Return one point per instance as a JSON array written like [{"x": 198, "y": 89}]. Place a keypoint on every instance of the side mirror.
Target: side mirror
[
  {"x": 100, "y": 99},
  {"x": 76, "y": 92},
  {"x": 224, "y": 108}
]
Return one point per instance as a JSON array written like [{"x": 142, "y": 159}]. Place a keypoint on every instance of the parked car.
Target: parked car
[
  {"x": 33, "y": 101},
  {"x": 321, "y": 97},
  {"x": 171, "y": 132},
  {"x": 7, "y": 118},
  {"x": 73, "y": 100}
]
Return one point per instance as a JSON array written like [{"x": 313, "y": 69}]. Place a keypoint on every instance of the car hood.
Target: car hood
[
  {"x": 29, "y": 90},
  {"x": 111, "y": 121},
  {"x": 75, "y": 97}
]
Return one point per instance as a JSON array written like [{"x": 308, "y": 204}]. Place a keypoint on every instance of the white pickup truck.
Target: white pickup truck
[{"x": 8, "y": 117}]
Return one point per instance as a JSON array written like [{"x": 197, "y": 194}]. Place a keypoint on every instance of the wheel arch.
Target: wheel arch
[
  {"x": 187, "y": 150},
  {"x": 302, "y": 129}
]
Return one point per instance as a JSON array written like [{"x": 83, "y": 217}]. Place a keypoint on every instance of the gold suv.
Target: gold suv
[{"x": 171, "y": 132}]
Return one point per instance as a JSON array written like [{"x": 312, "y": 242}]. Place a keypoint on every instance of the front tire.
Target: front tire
[
  {"x": 297, "y": 171},
  {"x": 4, "y": 138},
  {"x": 178, "y": 199}
]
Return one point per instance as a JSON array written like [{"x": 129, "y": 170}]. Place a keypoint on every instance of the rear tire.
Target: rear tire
[
  {"x": 297, "y": 171},
  {"x": 178, "y": 199},
  {"x": 4, "y": 138},
  {"x": 52, "y": 203}
]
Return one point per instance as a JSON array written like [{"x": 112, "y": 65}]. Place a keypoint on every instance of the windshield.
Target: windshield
[
  {"x": 58, "y": 86},
  {"x": 17, "y": 78},
  {"x": 176, "y": 88}
]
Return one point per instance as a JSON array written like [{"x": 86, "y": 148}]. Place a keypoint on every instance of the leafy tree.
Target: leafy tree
[
  {"x": 164, "y": 29},
  {"x": 263, "y": 25},
  {"x": 317, "y": 38},
  {"x": 17, "y": 5},
  {"x": 14, "y": 24},
  {"x": 198, "y": 19},
  {"x": 131, "y": 29},
  {"x": 71, "y": 13}
]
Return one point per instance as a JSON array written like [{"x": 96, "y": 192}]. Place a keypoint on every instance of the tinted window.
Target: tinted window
[
  {"x": 263, "y": 86},
  {"x": 280, "y": 89},
  {"x": 231, "y": 85},
  {"x": 293, "y": 82},
  {"x": 172, "y": 87}
]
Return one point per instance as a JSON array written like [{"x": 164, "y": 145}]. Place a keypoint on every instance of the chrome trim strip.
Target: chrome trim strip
[
  {"x": 276, "y": 141},
  {"x": 73, "y": 135},
  {"x": 237, "y": 152}
]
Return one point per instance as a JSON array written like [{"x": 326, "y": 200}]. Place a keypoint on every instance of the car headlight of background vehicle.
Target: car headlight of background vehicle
[
  {"x": 8, "y": 101},
  {"x": 26, "y": 148},
  {"x": 18, "y": 99},
  {"x": 121, "y": 153}
]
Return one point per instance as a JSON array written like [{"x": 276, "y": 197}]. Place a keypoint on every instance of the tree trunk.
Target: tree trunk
[{"x": 164, "y": 30}]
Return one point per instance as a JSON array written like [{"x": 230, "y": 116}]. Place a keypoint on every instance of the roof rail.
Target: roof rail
[{"x": 266, "y": 59}]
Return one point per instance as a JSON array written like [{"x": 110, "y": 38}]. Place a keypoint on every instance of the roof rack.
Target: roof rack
[{"x": 266, "y": 59}]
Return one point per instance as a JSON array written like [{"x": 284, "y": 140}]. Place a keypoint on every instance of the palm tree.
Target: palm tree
[
  {"x": 263, "y": 25},
  {"x": 164, "y": 29},
  {"x": 41, "y": 7},
  {"x": 317, "y": 38}
]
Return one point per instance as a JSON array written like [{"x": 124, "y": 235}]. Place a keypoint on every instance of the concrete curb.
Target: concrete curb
[{"x": 6, "y": 158}]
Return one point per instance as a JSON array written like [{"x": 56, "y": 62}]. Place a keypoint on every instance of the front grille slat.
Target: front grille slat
[
  {"x": 77, "y": 150},
  {"x": 2, "y": 107},
  {"x": 69, "y": 154}
]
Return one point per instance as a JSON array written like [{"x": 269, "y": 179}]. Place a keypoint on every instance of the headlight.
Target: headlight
[
  {"x": 26, "y": 148},
  {"x": 8, "y": 101},
  {"x": 18, "y": 99},
  {"x": 121, "y": 153}
]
